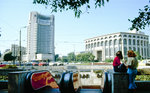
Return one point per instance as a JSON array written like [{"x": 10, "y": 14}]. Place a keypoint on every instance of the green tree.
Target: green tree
[
  {"x": 8, "y": 57},
  {"x": 78, "y": 5},
  {"x": 79, "y": 57},
  {"x": 71, "y": 57},
  {"x": 64, "y": 59},
  {"x": 57, "y": 58},
  {"x": 138, "y": 56},
  {"x": 85, "y": 57}
]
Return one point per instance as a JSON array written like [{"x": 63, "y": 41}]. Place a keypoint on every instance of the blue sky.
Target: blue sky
[{"x": 70, "y": 32}]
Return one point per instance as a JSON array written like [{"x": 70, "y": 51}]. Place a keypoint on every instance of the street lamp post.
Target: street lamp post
[
  {"x": 0, "y": 34},
  {"x": 20, "y": 45}
]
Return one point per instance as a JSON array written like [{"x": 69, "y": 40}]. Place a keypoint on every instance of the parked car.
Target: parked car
[
  {"x": 56, "y": 63},
  {"x": 28, "y": 64},
  {"x": 51, "y": 63},
  {"x": 35, "y": 63},
  {"x": 60, "y": 63},
  {"x": 43, "y": 64}
]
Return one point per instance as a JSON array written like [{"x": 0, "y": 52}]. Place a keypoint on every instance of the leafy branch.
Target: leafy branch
[
  {"x": 142, "y": 20},
  {"x": 64, "y": 5}
]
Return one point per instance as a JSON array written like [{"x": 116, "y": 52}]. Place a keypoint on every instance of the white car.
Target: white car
[{"x": 56, "y": 64}]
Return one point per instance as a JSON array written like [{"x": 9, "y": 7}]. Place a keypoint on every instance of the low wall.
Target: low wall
[
  {"x": 143, "y": 85},
  {"x": 16, "y": 82},
  {"x": 120, "y": 82},
  {"x": 4, "y": 77}
]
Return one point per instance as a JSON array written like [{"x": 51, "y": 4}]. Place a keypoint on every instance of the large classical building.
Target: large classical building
[
  {"x": 40, "y": 37},
  {"x": 105, "y": 46}
]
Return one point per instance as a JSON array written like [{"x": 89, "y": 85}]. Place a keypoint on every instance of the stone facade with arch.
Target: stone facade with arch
[{"x": 105, "y": 46}]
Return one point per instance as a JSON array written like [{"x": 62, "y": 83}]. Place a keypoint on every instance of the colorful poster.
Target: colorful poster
[{"x": 42, "y": 79}]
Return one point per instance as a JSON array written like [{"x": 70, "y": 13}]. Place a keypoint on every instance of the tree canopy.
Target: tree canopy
[
  {"x": 8, "y": 57},
  {"x": 85, "y": 57},
  {"x": 77, "y": 5},
  {"x": 71, "y": 57},
  {"x": 142, "y": 20}
]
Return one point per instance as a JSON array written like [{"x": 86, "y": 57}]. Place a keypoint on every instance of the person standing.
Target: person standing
[{"x": 132, "y": 65}]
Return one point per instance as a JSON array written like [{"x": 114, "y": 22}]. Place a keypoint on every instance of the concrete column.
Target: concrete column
[
  {"x": 16, "y": 82},
  {"x": 127, "y": 44},
  {"x": 140, "y": 48},
  {"x": 131, "y": 43},
  {"x": 136, "y": 46},
  {"x": 104, "y": 57},
  {"x": 113, "y": 48},
  {"x": 143, "y": 49},
  {"x": 108, "y": 48},
  {"x": 122, "y": 45}
]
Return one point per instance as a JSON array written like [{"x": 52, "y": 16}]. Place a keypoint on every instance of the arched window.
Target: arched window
[
  {"x": 144, "y": 51},
  {"x": 125, "y": 36},
  {"x": 144, "y": 43},
  {"x": 115, "y": 50},
  {"x": 141, "y": 43},
  {"x": 110, "y": 42},
  {"x": 115, "y": 36},
  {"x": 115, "y": 42},
  {"x": 102, "y": 43},
  {"x": 97, "y": 44},
  {"x": 133, "y": 41},
  {"x": 86, "y": 46},
  {"x": 110, "y": 51},
  {"x": 125, "y": 41},
  {"x": 106, "y": 43},
  {"x": 94, "y": 44},
  {"x": 120, "y": 41},
  {"x": 89, "y": 45},
  {"x": 129, "y": 41},
  {"x": 125, "y": 50},
  {"x": 138, "y": 42},
  {"x": 129, "y": 36},
  {"x": 106, "y": 51},
  {"x": 138, "y": 49}
]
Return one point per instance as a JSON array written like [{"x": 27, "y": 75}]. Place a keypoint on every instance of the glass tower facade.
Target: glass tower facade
[{"x": 40, "y": 38}]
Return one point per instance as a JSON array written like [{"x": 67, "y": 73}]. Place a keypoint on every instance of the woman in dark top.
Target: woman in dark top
[{"x": 116, "y": 62}]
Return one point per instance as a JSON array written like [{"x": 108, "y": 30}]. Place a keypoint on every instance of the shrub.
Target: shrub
[
  {"x": 109, "y": 60},
  {"x": 8, "y": 67},
  {"x": 143, "y": 77},
  {"x": 144, "y": 71}
]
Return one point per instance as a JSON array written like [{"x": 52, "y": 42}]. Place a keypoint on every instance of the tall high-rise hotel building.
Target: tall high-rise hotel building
[{"x": 40, "y": 37}]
